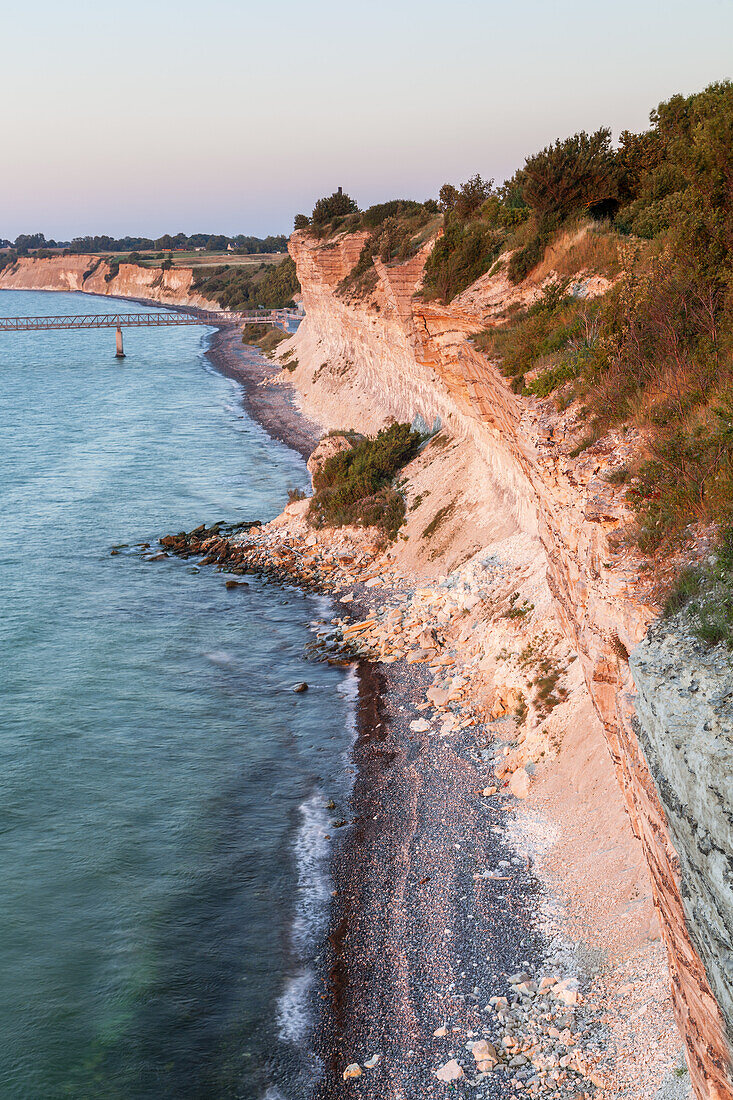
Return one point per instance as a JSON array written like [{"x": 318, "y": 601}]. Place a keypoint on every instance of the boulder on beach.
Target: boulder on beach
[
  {"x": 484, "y": 1052},
  {"x": 420, "y": 725},
  {"x": 451, "y": 1071},
  {"x": 519, "y": 783}
]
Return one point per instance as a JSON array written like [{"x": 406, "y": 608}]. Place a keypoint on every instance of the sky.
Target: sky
[{"x": 146, "y": 117}]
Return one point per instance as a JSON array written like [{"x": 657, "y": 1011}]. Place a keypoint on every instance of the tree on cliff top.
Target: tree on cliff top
[
  {"x": 333, "y": 206},
  {"x": 572, "y": 174}
]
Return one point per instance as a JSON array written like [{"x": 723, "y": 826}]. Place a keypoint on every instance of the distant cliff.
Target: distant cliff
[{"x": 93, "y": 275}]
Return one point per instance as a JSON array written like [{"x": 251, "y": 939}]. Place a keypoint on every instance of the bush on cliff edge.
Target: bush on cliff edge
[{"x": 354, "y": 486}]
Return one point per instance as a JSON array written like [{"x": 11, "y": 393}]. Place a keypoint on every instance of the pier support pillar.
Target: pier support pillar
[{"x": 120, "y": 353}]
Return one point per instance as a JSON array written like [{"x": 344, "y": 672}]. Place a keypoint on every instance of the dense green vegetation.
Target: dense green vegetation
[
  {"x": 706, "y": 592},
  {"x": 26, "y": 243},
  {"x": 355, "y": 486},
  {"x": 654, "y": 212},
  {"x": 267, "y": 286},
  {"x": 327, "y": 210},
  {"x": 180, "y": 241},
  {"x": 673, "y": 179},
  {"x": 559, "y": 334},
  {"x": 397, "y": 230},
  {"x": 265, "y": 337},
  {"x": 657, "y": 349}
]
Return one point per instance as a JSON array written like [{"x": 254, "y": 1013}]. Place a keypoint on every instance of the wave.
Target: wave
[
  {"x": 314, "y": 881},
  {"x": 294, "y": 1013}
]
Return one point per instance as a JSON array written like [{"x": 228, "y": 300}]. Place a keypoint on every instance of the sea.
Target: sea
[{"x": 164, "y": 794}]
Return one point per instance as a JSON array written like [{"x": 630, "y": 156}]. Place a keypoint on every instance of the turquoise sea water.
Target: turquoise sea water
[{"x": 162, "y": 791}]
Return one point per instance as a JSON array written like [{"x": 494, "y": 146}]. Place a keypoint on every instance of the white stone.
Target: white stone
[
  {"x": 420, "y": 725},
  {"x": 519, "y": 783},
  {"x": 451, "y": 1071}
]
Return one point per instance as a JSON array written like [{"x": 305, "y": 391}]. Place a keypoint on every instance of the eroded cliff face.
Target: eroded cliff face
[
  {"x": 88, "y": 274},
  {"x": 685, "y": 724},
  {"x": 363, "y": 358}
]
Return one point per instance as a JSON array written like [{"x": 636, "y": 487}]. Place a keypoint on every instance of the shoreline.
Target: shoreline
[
  {"x": 407, "y": 923},
  {"x": 270, "y": 405},
  {"x": 406, "y": 876},
  {"x": 452, "y": 926}
]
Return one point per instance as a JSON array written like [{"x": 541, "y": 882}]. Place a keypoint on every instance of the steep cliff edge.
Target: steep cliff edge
[
  {"x": 358, "y": 360},
  {"x": 685, "y": 724},
  {"x": 89, "y": 274}
]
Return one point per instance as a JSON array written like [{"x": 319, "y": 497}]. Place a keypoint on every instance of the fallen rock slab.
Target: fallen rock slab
[{"x": 519, "y": 783}]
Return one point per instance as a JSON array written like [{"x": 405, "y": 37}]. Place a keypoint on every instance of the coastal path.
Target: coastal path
[{"x": 277, "y": 317}]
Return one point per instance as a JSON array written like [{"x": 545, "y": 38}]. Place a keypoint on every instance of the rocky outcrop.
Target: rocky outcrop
[
  {"x": 685, "y": 725},
  {"x": 89, "y": 274},
  {"x": 362, "y": 359}
]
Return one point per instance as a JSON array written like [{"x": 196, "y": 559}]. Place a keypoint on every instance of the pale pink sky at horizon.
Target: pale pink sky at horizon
[{"x": 231, "y": 117}]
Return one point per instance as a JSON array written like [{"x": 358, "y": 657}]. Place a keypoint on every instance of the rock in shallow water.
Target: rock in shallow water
[{"x": 300, "y": 688}]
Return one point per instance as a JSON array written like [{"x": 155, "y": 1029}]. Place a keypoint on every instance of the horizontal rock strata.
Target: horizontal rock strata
[{"x": 89, "y": 274}]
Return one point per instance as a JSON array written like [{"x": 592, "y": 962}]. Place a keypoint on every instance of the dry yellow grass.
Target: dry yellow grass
[{"x": 588, "y": 247}]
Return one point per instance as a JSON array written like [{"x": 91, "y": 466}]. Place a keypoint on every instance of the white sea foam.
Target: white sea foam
[
  {"x": 324, "y": 605},
  {"x": 349, "y": 690},
  {"x": 294, "y": 1015},
  {"x": 314, "y": 881},
  {"x": 312, "y": 856},
  {"x": 219, "y": 657}
]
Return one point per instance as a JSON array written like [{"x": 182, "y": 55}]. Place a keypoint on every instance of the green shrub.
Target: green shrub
[
  {"x": 558, "y": 332},
  {"x": 333, "y": 206},
  {"x": 269, "y": 286},
  {"x": 549, "y": 380},
  {"x": 438, "y": 520},
  {"x": 688, "y": 585},
  {"x": 399, "y": 232},
  {"x": 572, "y": 175},
  {"x": 354, "y": 486},
  {"x": 113, "y": 265},
  {"x": 265, "y": 337},
  {"x": 524, "y": 259},
  {"x": 466, "y": 251},
  {"x": 706, "y": 593},
  {"x": 397, "y": 208}
]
